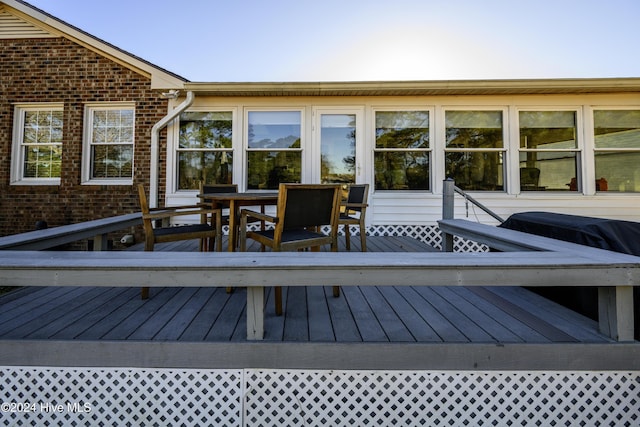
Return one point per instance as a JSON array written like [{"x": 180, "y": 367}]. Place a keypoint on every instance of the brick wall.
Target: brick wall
[{"x": 58, "y": 70}]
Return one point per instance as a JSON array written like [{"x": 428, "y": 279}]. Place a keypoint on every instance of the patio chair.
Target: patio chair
[
  {"x": 301, "y": 212},
  {"x": 157, "y": 227},
  {"x": 355, "y": 208},
  {"x": 207, "y": 203}
]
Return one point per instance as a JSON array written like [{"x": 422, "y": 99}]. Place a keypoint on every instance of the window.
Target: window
[
  {"x": 337, "y": 148},
  {"x": 108, "y": 154},
  {"x": 402, "y": 152},
  {"x": 37, "y": 144},
  {"x": 617, "y": 150},
  {"x": 205, "y": 149},
  {"x": 548, "y": 151},
  {"x": 274, "y": 152},
  {"x": 474, "y": 149}
]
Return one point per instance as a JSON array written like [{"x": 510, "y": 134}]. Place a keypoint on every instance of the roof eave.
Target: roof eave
[{"x": 417, "y": 88}]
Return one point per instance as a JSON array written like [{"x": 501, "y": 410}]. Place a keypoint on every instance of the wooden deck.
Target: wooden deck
[{"x": 389, "y": 314}]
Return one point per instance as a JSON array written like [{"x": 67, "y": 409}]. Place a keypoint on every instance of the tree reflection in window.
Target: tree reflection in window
[
  {"x": 402, "y": 151},
  {"x": 474, "y": 149},
  {"x": 273, "y": 148},
  {"x": 205, "y": 149}
]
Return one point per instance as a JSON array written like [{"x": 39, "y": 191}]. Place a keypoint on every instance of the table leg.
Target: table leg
[{"x": 232, "y": 225}]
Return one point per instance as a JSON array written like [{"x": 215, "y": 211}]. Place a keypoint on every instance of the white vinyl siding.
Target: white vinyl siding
[{"x": 424, "y": 206}]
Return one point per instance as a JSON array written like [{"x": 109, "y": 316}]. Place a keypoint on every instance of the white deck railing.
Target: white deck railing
[
  {"x": 579, "y": 267},
  {"x": 539, "y": 261}
]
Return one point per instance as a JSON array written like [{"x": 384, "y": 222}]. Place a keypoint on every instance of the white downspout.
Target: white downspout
[{"x": 155, "y": 147}]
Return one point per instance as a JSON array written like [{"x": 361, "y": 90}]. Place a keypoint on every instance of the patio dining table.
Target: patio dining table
[{"x": 235, "y": 201}]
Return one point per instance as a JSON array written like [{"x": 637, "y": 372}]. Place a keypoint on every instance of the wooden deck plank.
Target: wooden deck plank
[
  {"x": 497, "y": 323},
  {"x": 344, "y": 325},
  {"x": 210, "y": 307},
  {"x": 33, "y": 311},
  {"x": 442, "y": 327},
  {"x": 120, "y": 314},
  {"x": 99, "y": 313},
  {"x": 459, "y": 318},
  {"x": 201, "y": 317},
  {"x": 142, "y": 313},
  {"x": 226, "y": 323},
  {"x": 15, "y": 307},
  {"x": 16, "y": 293},
  {"x": 274, "y": 325},
  {"x": 161, "y": 317},
  {"x": 495, "y": 329},
  {"x": 320, "y": 327},
  {"x": 296, "y": 325},
  {"x": 420, "y": 330},
  {"x": 393, "y": 327},
  {"x": 365, "y": 318},
  {"x": 548, "y": 330},
  {"x": 579, "y": 327},
  {"x": 51, "y": 312},
  {"x": 78, "y": 308},
  {"x": 178, "y": 324}
]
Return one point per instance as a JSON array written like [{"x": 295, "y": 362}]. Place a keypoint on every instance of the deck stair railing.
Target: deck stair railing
[
  {"x": 449, "y": 190},
  {"x": 448, "y": 194}
]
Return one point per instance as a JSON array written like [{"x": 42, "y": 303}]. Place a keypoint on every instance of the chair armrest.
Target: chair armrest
[
  {"x": 354, "y": 205},
  {"x": 192, "y": 210},
  {"x": 174, "y": 208},
  {"x": 245, "y": 213}
]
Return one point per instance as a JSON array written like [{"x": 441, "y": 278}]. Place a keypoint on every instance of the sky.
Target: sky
[{"x": 367, "y": 40}]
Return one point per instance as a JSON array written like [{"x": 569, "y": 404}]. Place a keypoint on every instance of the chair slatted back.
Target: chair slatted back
[
  {"x": 358, "y": 194},
  {"x": 308, "y": 205},
  {"x": 219, "y": 188}
]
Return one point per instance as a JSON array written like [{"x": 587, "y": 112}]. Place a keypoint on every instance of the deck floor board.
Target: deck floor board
[{"x": 394, "y": 313}]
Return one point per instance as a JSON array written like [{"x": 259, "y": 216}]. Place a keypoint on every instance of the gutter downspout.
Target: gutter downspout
[{"x": 155, "y": 147}]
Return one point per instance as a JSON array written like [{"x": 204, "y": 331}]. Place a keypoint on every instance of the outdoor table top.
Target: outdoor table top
[{"x": 236, "y": 200}]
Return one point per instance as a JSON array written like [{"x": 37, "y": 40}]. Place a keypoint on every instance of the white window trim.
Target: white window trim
[
  {"x": 86, "y": 143},
  {"x": 431, "y": 150},
  {"x": 590, "y": 144},
  {"x": 179, "y": 197},
  {"x": 17, "y": 150},
  {"x": 244, "y": 178},
  {"x": 582, "y": 156},
  {"x": 441, "y": 138}
]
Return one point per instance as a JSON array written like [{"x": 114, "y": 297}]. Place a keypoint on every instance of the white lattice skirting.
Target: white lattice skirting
[{"x": 39, "y": 396}]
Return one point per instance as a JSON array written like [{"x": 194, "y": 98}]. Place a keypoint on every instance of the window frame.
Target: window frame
[
  {"x": 177, "y": 149},
  {"x": 87, "y": 143},
  {"x": 597, "y": 149},
  {"x": 245, "y": 137},
  {"x": 430, "y": 150},
  {"x": 579, "y": 148},
  {"x": 18, "y": 146},
  {"x": 502, "y": 151}
]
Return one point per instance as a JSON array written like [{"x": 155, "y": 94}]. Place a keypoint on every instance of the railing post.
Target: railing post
[
  {"x": 448, "y": 194},
  {"x": 615, "y": 312},
  {"x": 101, "y": 242}
]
